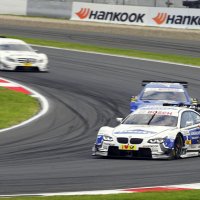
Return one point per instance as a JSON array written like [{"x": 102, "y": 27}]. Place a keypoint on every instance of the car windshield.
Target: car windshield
[
  {"x": 151, "y": 119},
  {"x": 15, "y": 47},
  {"x": 156, "y": 95}
]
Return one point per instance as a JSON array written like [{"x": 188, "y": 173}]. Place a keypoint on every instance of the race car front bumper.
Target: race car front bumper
[
  {"x": 141, "y": 152},
  {"x": 12, "y": 66}
]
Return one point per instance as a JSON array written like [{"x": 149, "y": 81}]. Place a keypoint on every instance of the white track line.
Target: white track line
[
  {"x": 117, "y": 191},
  {"x": 120, "y": 56}
]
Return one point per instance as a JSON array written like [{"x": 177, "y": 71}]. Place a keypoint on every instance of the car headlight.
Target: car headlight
[
  {"x": 10, "y": 59},
  {"x": 41, "y": 60},
  {"x": 156, "y": 140},
  {"x": 107, "y": 138}
]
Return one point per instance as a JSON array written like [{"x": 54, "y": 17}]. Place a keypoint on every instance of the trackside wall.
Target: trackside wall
[
  {"x": 62, "y": 8},
  {"x": 49, "y": 8},
  {"x": 109, "y": 11},
  {"x": 134, "y": 15},
  {"x": 13, "y": 7}
]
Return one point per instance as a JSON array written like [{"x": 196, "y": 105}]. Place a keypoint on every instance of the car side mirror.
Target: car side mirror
[
  {"x": 189, "y": 123},
  {"x": 119, "y": 120},
  {"x": 133, "y": 98},
  {"x": 194, "y": 101}
]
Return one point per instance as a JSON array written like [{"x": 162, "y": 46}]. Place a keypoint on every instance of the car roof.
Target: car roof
[
  {"x": 164, "y": 85},
  {"x": 11, "y": 41}
]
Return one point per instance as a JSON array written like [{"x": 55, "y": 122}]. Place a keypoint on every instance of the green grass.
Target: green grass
[
  {"x": 175, "y": 195},
  {"x": 16, "y": 107},
  {"x": 124, "y": 52}
]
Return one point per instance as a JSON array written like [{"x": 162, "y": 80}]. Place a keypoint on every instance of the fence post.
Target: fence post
[{"x": 155, "y": 3}]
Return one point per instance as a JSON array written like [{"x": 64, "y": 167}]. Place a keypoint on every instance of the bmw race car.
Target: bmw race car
[
  {"x": 158, "y": 92},
  {"x": 18, "y": 55},
  {"x": 159, "y": 132}
]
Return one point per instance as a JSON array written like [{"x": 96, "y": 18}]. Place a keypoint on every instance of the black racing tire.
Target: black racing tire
[{"x": 178, "y": 147}]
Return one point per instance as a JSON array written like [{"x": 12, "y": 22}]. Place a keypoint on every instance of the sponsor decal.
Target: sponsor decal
[
  {"x": 105, "y": 146},
  {"x": 160, "y": 18},
  {"x": 164, "y": 90},
  {"x": 102, "y": 15},
  {"x": 137, "y": 131},
  {"x": 99, "y": 139},
  {"x": 164, "y": 18},
  {"x": 135, "y": 15},
  {"x": 128, "y": 147},
  {"x": 188, "y": 142},
  {"x": 83, "y": 13},
  {"x": 154, "y": 148},
  {"x": 160, "y": 112},
  {"x": 194, "y": 136},
  {"x": 169, "y": 143},
  {"x": 157, "y": 108}
]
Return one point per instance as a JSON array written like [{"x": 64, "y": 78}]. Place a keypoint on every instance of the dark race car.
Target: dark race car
[{"x": 158, "y": 93}]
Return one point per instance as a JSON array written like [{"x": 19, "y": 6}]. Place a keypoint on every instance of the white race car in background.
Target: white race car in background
[
  {"x": 18, "y": 55},
  {"x": 152, "y": 132}
]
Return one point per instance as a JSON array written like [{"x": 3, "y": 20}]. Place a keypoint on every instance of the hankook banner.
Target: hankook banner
[{"x": 134, "y": 15}]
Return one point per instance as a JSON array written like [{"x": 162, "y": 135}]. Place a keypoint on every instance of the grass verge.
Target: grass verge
[
  {"x": 16, "y": 107},
  {"x": 175, "y": 195},
  {"x": 124, "y": 52}
]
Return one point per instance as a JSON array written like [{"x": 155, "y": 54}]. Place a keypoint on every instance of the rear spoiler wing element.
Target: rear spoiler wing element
[{"x": 183, "y": 83}]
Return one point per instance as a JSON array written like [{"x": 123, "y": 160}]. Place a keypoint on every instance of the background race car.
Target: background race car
[
  {"x": 158, "y": 92},
  {"x": 18, "y": 55}
]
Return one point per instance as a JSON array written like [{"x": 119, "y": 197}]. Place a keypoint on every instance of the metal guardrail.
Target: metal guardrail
[{"x": 152, "y": 3}]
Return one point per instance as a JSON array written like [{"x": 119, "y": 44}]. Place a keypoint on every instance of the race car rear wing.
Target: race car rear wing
[
  {"x": 195, "y": 107},
  {"x": 183, "y": 83}
]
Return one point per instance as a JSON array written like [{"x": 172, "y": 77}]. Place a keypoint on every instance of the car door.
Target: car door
[{"x": 190, "y": 124}]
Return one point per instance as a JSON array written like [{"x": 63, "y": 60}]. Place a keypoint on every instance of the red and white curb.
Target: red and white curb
[
  {"x": 181, "y": 187},
  {"x": 11, "y": 85}
]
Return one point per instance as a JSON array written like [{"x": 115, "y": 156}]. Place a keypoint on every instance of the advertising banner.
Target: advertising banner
[{"x": 135, "y": 15}]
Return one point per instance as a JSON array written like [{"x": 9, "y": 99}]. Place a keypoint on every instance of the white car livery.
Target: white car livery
[
  {"x": 162, "y": 132},
  {"x": 18, "y": 55}
]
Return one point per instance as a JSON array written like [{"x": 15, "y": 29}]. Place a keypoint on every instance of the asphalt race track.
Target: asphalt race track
[
  {"x": 85, "y": 92},
  {"x": 149, "y": 44}
]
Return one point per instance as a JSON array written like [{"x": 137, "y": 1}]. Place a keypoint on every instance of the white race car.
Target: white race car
[
  {"x": 18, "y": 55},
  {"x": 162, "y": 132}
]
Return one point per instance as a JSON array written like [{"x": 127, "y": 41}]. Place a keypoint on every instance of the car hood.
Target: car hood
[
  {"x": 158, "y": 102},
  {"x": 20, "y": 54},
  {"x": 147, "y": 131}
]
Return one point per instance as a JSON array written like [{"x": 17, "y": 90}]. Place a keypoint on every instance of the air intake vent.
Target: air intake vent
[
  {"x": 136, "y": 140},
  {"x": 122, "y": 140},
  {"x": 27, "y": 60}
]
